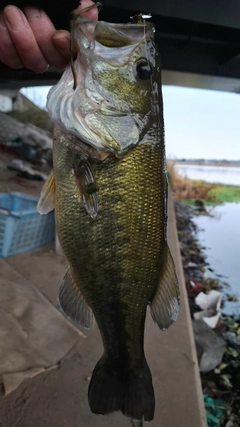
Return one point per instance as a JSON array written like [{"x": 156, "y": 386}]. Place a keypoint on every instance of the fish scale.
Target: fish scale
[{"x": 118, "y": 250}]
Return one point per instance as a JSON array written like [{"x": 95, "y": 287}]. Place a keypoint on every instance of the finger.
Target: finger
[
  {"x": 8, "y": 53},
  {"x": 23, "y": 39},
  {"x": 61, "y": 40},
  {"x": 92, "y": 13},
  {"x": 43, "y": 30}
]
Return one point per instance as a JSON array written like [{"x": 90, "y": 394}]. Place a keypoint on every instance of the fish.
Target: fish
[{"x": 109, "y": 191}]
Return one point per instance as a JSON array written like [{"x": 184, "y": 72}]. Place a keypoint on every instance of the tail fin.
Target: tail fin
[{"x": 114, "y": 390}]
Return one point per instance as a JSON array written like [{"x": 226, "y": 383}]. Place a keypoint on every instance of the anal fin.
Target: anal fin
[
  {"x": 73, "y": 303},
  {"x": 165, "y": 305},
  {"x": 46, "y": 202}
]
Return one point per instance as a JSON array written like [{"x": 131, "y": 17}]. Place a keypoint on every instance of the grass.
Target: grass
[
  {"x": 225, "y": 193},
  {"x": 189, "y": 191}
]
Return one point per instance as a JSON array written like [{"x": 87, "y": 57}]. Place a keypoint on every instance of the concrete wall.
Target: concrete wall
[{"x": 6, "y": 103}]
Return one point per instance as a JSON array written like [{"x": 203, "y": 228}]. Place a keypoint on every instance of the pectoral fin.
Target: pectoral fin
[
  {"x": 165, "y": 305},
  {"x": 73, "y": 303},
  {"x": 47, "y": 197},
  {"x": 87, "y": 187}
]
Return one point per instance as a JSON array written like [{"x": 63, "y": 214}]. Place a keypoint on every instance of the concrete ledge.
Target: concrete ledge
[{"x": 173, "y": 360}]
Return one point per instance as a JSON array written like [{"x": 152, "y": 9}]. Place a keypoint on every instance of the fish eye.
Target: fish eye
[{"x": 144, "y": 70}]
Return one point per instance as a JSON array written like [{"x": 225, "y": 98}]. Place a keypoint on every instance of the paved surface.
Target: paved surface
[
  {"x": 33, "y": 332},
  {"x": 58, "y": 398}
]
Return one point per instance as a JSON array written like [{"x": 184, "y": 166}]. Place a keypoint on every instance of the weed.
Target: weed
[{"x": 199, "y": 192}]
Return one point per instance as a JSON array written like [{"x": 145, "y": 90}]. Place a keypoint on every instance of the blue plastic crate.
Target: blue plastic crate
[{"x": 21, "y": 226}]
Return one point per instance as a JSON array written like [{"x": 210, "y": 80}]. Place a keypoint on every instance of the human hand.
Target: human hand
[{"x": 29, "y": 39}]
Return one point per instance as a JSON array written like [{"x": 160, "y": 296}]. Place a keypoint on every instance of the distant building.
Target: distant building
[
  {"x": 13, "y": 99},
  {"x": 7, "y": 99}
]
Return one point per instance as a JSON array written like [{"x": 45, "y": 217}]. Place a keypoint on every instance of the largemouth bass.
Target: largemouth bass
[{"x": 109, "y": 190}]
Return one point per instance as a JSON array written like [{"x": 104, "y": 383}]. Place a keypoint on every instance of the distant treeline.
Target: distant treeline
[{"x": 212, "y": 162}]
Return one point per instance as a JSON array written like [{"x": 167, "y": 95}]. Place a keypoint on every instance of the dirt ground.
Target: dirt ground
[{"x": 58, "y": 397}]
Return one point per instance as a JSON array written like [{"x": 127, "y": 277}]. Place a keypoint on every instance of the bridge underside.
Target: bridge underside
[{"x": 199, "y": 43}]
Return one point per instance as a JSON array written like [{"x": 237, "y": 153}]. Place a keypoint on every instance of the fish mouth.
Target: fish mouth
[
  {"x": 115, "y": 34},
  {"x": 88, "y": 114}
]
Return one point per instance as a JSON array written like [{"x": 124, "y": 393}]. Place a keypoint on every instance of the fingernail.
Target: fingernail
[
  {"x": 61, "y": 39},
  {"x": 14, "y": 18},
  {"x": 32, "y": 13},
  {"x": 2, "y": 20}
]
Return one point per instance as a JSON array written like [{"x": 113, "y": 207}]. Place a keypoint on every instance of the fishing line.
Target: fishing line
[
  {"x": 144, "y": 17},
  {"x": 141, "y": 19},
  {"x": 144, "y": 35}
]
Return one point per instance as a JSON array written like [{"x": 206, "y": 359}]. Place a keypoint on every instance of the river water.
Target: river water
[
  {"x": 216, "y": 174},
  {"x": 220, "y": 233}
]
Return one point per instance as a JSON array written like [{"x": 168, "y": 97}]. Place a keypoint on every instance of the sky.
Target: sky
[{"x": 198, "y": 123}]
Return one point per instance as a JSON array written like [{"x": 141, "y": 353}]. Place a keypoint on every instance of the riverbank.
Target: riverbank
[
  {"x": 191, "y": 191},
  {"x": 221, "y": 385},
  {"x": 210, "y": 189}
]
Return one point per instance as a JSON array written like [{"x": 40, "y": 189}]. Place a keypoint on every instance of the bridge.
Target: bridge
[{"x": 199, "y": 43}]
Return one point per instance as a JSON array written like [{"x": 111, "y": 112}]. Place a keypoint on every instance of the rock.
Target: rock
[
  {"x": 210, "y": 347},
  {"x": 191, "y": 265},
  {"x": 231, "y": 339},
  {"x": 209, "y": 317}
]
